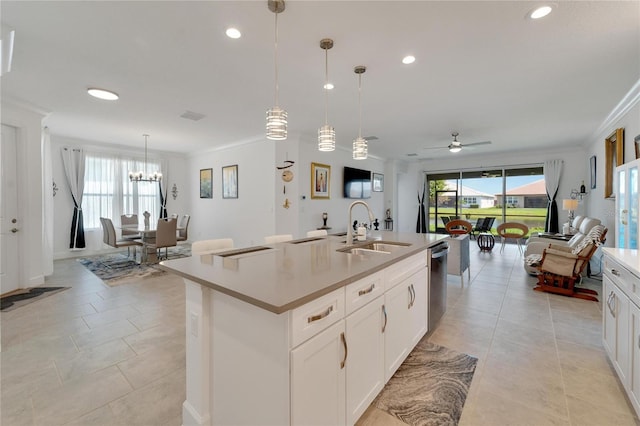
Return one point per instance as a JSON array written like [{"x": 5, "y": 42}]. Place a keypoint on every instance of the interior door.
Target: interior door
[{"x": 9, "y": 221}]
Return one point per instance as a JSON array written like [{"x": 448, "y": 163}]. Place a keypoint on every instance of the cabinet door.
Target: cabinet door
[
  {"x": 365, "y": 363},
  {"x": 418, "y": 311},
  {"x": 634, "y": 364},
  {"x": 318, "y": 379},
  {"x": 396, "y": 330},
  {"x": 616, "y": 327}
]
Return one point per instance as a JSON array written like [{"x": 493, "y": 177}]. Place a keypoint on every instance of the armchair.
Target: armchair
[
  {"x": 537, "y": 243},
  {"x": 560, "y": 267}
]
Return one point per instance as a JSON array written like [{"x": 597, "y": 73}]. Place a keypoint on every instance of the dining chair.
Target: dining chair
[
  {"x": 272, "y": 239},
  {"x": 183, "y": 232},
  {"x": 211, "y": 246},
  {"x": 110, "y": 237},
  {"x": 165, "y": 237},
  {"x": 514, "y": 231},
  {"x": 129, "y": 219},
  {"x": 317, "y": 233}
]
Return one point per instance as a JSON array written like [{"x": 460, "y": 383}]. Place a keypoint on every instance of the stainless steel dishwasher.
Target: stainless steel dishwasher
[{"x": 437, "y": 282}]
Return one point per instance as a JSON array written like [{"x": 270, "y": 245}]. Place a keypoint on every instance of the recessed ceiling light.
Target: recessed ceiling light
[
  {"x": 408, "y": 59},
  {"x": 540, "y": 12},
  {"x": 233, "y": 33},
  {"x": 328, "y": 86},
  {"x": 107, "y": 95}
]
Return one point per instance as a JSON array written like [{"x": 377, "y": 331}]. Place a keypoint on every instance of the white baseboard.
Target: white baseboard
[{"x": 190, "y": 417}]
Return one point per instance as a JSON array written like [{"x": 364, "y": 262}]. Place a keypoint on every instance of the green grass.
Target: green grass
[{"x": 532, "y": 217}]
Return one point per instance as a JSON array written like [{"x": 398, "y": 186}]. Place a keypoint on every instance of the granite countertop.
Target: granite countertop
[
  {"x": 280, "y": 277},
  {"x": 627, "y": 257}
]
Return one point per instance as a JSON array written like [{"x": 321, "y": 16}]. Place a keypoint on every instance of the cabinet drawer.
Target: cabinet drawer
[
  {"x": 402, "y": 270},
  {"x": 623, "y": 278},
  {"x": 315, "y": 316},
  {"x": 363, "y": 291}
]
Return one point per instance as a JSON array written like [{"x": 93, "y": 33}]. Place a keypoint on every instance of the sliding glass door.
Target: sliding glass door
[{"x": 506, "y": 194}]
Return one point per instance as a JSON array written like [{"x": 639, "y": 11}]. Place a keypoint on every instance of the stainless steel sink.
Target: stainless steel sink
[
  {"x": 385, "y": 247},
  {"x": 242, "y": 251}
]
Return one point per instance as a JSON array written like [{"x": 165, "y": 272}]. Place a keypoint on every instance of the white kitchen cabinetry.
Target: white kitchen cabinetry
[
  {"x": 365, "y": 362},
  {"x": 627, "y": 204},
  {"x": 318, "y": 379},
  {"x": 616, "y": 327},
  {"x": 621, "y": 324},
  {"x": 634, "y": 373}
]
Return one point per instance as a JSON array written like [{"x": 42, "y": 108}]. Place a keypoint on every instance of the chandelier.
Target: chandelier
[{"x": 142, "y": 176}]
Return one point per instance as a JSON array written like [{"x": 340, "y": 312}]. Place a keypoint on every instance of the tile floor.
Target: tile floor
[{"x": 100, "y": 355}]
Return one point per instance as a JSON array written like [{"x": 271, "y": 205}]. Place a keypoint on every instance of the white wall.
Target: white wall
[
  {"x": 63, "y": 203},
  {"x": 251, "y": 216},
  {"x": 629, "y": 119},
  {"x": 337, "y": 206}
]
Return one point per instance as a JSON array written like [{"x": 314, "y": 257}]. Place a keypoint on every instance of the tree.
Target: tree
[{"x": 435, "y": 185}]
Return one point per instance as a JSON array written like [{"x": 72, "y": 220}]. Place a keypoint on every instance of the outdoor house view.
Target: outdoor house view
[{"x": 508, "y": 195}]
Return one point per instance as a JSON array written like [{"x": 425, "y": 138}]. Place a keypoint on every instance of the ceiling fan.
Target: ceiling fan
[{"x": 456, "y": 146}]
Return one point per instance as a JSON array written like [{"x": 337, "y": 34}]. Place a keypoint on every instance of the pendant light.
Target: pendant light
[
  {"x": 360, "y": 149},
  {"x": 276, "y": 116},
  {"x": 326, "y": 133},
  {"x": 142, "y": 176}
]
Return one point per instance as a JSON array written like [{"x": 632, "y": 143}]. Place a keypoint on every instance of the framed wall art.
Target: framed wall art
[
  {"x": 230, "y": 181},
  {"x": 636, "y": 141},
  {"x": 206, "y": 183},
  {"x": 614, "y": 157},
  {"x": 378, "y": 182},
  {"x": 592, "y": 169},
  {"x": 320, "y": 181}
]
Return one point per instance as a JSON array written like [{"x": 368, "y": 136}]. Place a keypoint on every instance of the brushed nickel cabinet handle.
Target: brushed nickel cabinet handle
[
  {"x": 367, "y": 290},
  {"x": 614, "y": 305},
  {"x": 615, "y": 272},
  {"x": 413, "y": 291},
  {"x": 384, "y": 312},
  {"x": 410, "y": 298},
  {"x": 346, "y": 350},
  {"x": 320, "y": 315},
  {"x": 638, "y": 341}
]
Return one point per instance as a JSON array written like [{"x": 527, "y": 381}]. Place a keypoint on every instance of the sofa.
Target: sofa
[{"x": 581, "y": 225}]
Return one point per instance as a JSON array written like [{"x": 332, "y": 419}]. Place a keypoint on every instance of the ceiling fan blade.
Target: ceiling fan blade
[
  {"x": 477, "y": 143},
  {"x": 436, "y": 147}
]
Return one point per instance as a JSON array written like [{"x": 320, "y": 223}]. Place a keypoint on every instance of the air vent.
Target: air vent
[
  {"x": 190, "y": 115},
  {"x": 371, "y": 138},
  {"x": 413, "y": 154}
]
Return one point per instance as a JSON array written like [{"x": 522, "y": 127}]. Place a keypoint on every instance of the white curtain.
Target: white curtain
[
  {"x": 73, "y": 162},
  {"x": 552, "y": 173},
  {"x": 47, "y": 203}
]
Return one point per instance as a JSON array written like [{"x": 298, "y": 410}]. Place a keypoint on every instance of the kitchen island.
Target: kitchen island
[{"x": 302, "y": 332}]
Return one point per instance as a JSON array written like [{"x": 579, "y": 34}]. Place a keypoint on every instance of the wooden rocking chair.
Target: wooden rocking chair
[{"x": 561, "y": 267}]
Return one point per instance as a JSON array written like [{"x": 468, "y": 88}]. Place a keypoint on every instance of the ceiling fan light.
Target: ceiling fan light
[
  {"x": 233, "y": 33},
  {"x": 103, "y": 94},
  {"x": 540, "y": 12},
  {"x": 455, "y": 148}
]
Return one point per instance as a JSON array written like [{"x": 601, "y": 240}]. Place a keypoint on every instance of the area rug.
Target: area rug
[
  {"x": 430, "y": 387},
  {"x": 23, "y": 297},
  {"x": 117, "y": 268}
]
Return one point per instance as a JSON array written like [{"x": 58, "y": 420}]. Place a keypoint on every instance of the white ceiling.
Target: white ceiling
[{"x": 482, "y": 69}]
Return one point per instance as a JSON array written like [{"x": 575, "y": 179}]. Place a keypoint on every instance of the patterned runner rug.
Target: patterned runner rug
[
  {"x": 23, "y": 297},
  {"x": 430, "y": 387},
  {"x": 117, "y": 268}
]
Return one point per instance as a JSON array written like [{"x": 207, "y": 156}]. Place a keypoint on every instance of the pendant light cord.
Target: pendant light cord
[
  {"x": 326, "y": 88},
  {"x": 275, "y": 54},
  {"x": 145, "y": 155},
  {"x": 360, "y": 104}
]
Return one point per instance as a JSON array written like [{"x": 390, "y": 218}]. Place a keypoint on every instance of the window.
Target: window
[
  {"x": 511, "y": 200},
  {"x": 109, "y": 193},
  {"x": 469, "y": 200}
]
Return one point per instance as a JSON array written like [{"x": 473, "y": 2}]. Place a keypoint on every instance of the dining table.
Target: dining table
[{"x": 147, "y": 232}]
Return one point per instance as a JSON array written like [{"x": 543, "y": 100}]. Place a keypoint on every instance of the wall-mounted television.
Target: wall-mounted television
[{"x": 357, "y": 183}]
